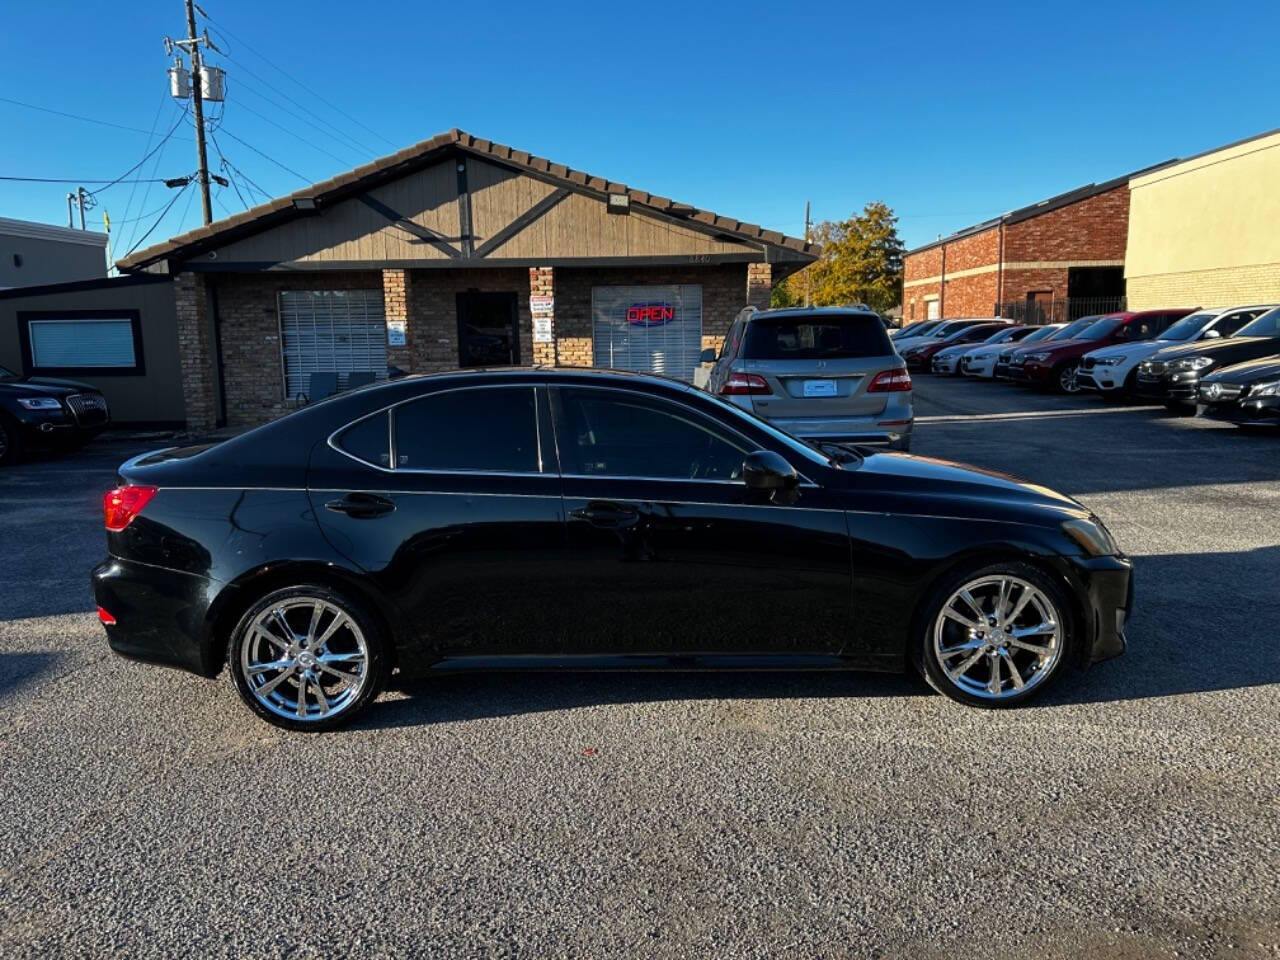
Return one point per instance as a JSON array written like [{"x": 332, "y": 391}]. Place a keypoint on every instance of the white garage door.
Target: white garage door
[
  {"x": 653, "y": 329},
  {"x": 331, "y": 331}
]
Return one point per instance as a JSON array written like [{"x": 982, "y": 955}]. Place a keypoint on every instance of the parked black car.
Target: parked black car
[
  {"x": 1246, "y": 394},
  {"x": 41, "y": 412},
  {"x": 1173, "y": 374},
  {"x": 591, "y": 520}
]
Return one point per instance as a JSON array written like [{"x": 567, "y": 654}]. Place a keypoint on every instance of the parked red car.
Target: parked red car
[
  {"x": 1056, "y": 363},
  {"x": 920, "y": 357}
]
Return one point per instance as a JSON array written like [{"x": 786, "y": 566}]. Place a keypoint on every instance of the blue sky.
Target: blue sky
[{"x": 950, "y": 113}]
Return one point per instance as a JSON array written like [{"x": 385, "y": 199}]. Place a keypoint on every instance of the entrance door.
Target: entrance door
[{"x": 488, "y": 330}]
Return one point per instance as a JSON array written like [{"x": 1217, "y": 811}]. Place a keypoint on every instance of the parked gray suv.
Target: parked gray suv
[{"x": 827, "y": 373}]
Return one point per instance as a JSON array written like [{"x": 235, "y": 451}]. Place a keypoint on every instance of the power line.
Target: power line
[
  {"x": 304, "y": 87},
  {"x": 145, "y": 156},
  {"x": 79, "y": 180},
  {"x": 265, "y": 157},
  {"x": 168, "y": 206},
  {"x": 348, "y": 142},
  {"x": 147, "y": 192},
  {"x": 76, "y": 116},
  {"x": 133, "y": 189},
  {"x": 296, "y": 136},
  {"x": 141, "y": 216}
]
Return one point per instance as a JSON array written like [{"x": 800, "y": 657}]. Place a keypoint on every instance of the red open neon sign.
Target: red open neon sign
[{"x": 650, "y": 314}]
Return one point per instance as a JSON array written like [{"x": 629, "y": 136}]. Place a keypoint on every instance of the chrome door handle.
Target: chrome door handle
[{"x": 361, "y": 506}]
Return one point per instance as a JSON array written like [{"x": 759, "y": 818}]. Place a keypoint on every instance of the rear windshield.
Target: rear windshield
[
  {"x": 1070, "y": 330},
  {"x": 816, "y": 338}
]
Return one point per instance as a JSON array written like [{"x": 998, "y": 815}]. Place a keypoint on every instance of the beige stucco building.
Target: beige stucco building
[{"x": 1206, "y": 231}]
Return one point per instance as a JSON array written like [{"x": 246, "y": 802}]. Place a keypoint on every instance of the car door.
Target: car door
[
  {"x": 451, "y": 502},
  {"x": 670, "y": 553}
]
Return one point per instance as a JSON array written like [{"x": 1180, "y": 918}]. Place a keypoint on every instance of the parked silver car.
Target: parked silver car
[{"x": 818, "y": 374}]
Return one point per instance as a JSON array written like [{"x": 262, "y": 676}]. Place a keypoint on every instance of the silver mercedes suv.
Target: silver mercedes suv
[{"x": 824, "y": 373}]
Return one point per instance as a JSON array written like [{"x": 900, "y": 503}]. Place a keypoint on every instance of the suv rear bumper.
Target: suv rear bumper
[{"x": 891, "y": 428}]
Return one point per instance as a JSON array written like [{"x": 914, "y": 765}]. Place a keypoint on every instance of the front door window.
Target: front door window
[{"x": 488, "y": 330}]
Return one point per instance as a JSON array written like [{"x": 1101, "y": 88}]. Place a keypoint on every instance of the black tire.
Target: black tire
[
  {"x": 922, "y": 643},
  {"x": 1064, "y": 374},
  {"x": 1179, "y": 409},
  {"x": 10, "y": 442},
  {"x": 377, "y": 662}
]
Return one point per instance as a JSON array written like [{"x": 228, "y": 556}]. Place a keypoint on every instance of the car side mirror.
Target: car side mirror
[
  {"x": 769, "y": 473},
  {"x": 707, "y": 356},
  {"x": 1212, "y": 335}
]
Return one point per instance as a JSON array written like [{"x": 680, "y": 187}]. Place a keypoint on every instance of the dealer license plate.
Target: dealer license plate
[{"x": 819, "y": 388}]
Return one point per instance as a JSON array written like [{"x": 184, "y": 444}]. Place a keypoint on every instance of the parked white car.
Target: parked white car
[
  {"x": 1111, "y": 370},
  {"x": 947, "y": 360},
  {"x": 943, "y": 330},
  {"x": 981, "y": 360}
]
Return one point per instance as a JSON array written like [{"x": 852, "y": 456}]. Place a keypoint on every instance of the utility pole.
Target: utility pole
[
  {"x": 192, "y": 45},
  {"x": 808, "y": 278},
  {"x": 82, "y": 199}
]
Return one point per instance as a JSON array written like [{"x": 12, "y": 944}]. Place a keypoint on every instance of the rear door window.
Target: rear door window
[
  {"x": 491, "y": 429},
  {"x": 816, "y": 338}
]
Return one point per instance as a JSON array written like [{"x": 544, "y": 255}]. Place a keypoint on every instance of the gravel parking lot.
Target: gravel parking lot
[{"x": 1133, "y": 813}]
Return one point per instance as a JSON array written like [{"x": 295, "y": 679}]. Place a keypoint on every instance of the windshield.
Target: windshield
[
  {"x": 1187, "y": 327},
  {"x": 918, "y": 329},
  {"x": 1100, "y": 329},
  {"x": 1000, "y": 336},
  {"x": 1267, "y": 325},
  {"x": 1070, "y": 330},
  {"x": 946, "y": 329},
  {"x": 1044, "y": 333}
]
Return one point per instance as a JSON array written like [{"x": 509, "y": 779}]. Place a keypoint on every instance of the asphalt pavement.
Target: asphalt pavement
[{"x": 1132, "y": 813}]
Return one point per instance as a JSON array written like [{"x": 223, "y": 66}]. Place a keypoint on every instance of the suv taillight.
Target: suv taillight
[
  {"x": 890, "y": 381},
  {"x": 740, "y": 384},
  {"x": 122, "y": 504}
]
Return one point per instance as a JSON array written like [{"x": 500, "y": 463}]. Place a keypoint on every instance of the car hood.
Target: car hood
[
  {"x": 940, "y": 487},
  {"x": 1214, "y": 348},
  {"x": 955, "y": 351},
  {"x": 44, "y": 386},
  {"x": 1143, "y": 348},
  {"x": 1251, "y": 371}
]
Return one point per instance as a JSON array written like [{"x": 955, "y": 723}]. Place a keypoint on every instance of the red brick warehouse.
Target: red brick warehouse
[{"x": 1050, "y": 261}]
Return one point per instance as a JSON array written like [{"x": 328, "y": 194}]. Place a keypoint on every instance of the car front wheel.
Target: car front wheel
[
  {"x": 307, "y": 658},
  {"x": 995, "y": 636},
  {"x": 1067, "y": 381}
]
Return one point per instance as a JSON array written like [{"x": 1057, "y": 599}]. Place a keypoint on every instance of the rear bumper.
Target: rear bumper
[
  {"x": 162, "y": 616},
  {"x": 1107, "y": 594},
  {"x": 890, "y": 428}
]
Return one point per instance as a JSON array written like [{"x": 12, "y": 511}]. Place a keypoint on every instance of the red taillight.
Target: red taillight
[
  {"x": 122, "y": 504},
  {"x": 890, "y": 381},
  {"x": 105, "y": 616},
  {"x": 740, "y": 384}
]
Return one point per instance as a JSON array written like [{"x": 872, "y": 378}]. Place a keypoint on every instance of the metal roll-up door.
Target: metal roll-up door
[
  {"x": 650, "y": 328},
  {"x": 331, "y": 331}
]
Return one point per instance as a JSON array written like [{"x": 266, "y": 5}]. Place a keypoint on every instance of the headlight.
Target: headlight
[
  {"x": 1108, "y": 361},
  {"x": 1192, "y": 363},
  {"x": 39, "y": 403},
  {"x": 1092, "y": 535},
  {"x": 1038, "y": 357},
  {"x": 1271, "y": 389}
]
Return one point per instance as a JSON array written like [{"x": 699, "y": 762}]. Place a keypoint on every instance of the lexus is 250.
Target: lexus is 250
[{"x": 579, "y": 519}]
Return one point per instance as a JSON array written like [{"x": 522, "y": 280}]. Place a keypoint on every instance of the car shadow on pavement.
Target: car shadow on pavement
[
  {"x": 18, "y": 670},
  {"x": 1201, "y": 622},
  {"x": 472, "y": 696}
]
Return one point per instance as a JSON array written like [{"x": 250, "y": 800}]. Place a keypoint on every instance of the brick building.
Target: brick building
[
  {"x": 454, "y": 252},
  {"x": 1057, "y": 259}
]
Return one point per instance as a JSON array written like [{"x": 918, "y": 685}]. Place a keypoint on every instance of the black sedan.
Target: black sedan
[
  {"x": 593, "y": 520},
  {"x": 39, "y": 412},
  {"x": 1246, "y": 394},
  {"x": 1173, "y": 375}
]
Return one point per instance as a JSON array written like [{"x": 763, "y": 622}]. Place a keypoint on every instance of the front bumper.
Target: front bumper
[
  {"x": 1259, "y": 411},
  {"x": 1033, "y": 372},
  {"x": 945, "y": 365},
  {"x": 977, "y": 368},
  {"x": 1099, "y": 379},
  {"x": 1106, "y": 591},
  {"x": 40, "y": 428},
  {"x": 162, "y": 616},
  {"x": 1183, "y": 387}
]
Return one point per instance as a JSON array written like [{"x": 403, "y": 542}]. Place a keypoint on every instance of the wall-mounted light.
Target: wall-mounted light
[
  {"x": 619, "y": 203},
  {"x": 304, "y": 203}
]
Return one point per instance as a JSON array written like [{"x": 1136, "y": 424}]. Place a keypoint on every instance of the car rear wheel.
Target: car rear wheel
[
  {"x": 1066, "y": 378},
  {"x": 995, "y": 636},
  {"x": 10, "y": 443},
  {"x": 307, "y": 658}
]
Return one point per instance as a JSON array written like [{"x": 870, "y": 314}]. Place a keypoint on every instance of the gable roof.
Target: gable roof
[{"x": 425, "y": 153}]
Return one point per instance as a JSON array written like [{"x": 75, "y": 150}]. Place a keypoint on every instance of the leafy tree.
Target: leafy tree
[{"x": 861, "y": 262}]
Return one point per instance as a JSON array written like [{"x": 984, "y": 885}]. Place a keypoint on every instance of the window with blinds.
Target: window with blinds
[
  {"x": 651, "y": 328},
  {"x": 331, "y": 331},
  {"x": 82, "y": 343}
]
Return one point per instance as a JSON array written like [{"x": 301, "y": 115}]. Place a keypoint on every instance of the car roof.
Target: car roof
[{"x": 814, "y": 312}]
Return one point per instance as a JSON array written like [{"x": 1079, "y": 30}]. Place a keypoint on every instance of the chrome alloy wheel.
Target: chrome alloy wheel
[
  {"x": 1067, "y": 378},
  {"x": 305, "y": 658},
  {"x": 997, "y": 637}
]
